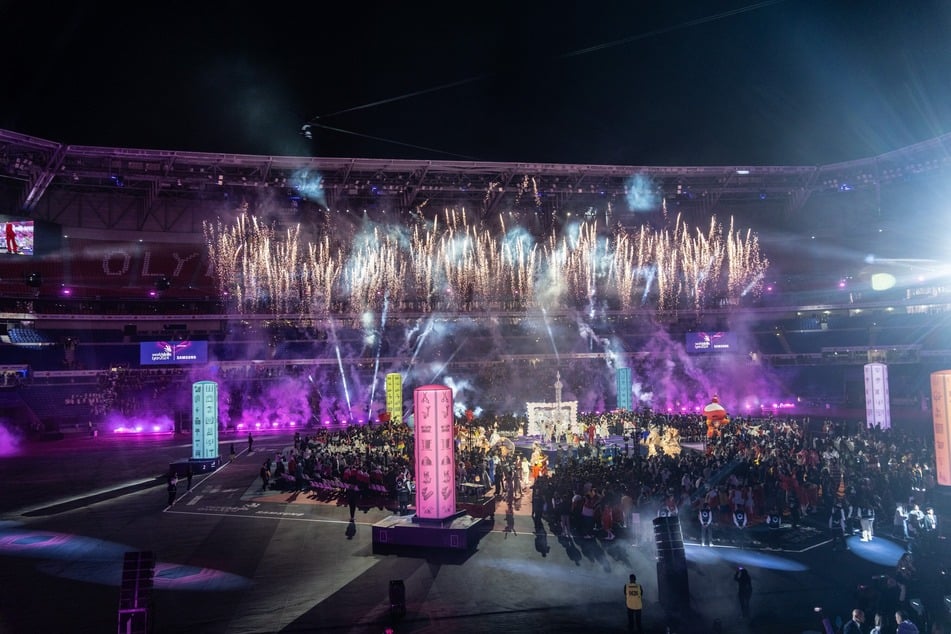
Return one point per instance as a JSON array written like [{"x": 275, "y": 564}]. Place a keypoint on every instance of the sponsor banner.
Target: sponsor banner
[
  {"x": 704, "y": 342},
  {"x": 171, "y": 352}
]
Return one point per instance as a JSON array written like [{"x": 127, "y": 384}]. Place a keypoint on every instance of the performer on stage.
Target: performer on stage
[{"x": 538, "y": 461}]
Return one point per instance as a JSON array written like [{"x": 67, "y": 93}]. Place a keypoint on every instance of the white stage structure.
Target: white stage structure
[{"x": 560, "y": 417}]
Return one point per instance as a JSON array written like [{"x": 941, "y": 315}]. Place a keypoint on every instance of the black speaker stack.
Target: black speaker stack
[
  {"x": 135, "y": 593},
  {"x": 672, "y": 587}
]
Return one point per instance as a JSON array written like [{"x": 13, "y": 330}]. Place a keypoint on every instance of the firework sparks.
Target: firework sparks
[{"x": 453, "y": 264}]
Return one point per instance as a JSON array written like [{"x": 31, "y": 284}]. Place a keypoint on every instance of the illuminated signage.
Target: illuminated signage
[
  {"x": 168, "y": 352},
  {"x": 704, "y": 342},
  {"x": 624, "y": 396},
  {"x": 940, "y": 392},
  {"x": 877, "y": 405},
  {"x": 435, "y": 460},
  {"x": 204, "y": 419},
  {"x": 394, "y": 396}
]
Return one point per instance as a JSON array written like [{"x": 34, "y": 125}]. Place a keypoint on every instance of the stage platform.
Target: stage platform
[
  {"x": 198, "y": 465},
  {"x": 458, "y": 532}
]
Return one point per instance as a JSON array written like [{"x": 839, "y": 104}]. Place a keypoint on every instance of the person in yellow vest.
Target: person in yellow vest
[{"x": 634, "y": 599}]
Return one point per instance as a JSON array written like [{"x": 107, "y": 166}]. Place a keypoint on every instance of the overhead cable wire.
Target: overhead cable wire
[
  {"x": 377, "y": 138},
  {"x": 575, "y": 53},
  {"x": 408, "y": 95},
  {"x": 668, "y": 29},
  {"x": 468, "y": 80}
]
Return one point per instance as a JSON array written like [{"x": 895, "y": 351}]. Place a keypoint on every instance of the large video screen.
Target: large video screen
[
  {"x": 18, "y": 236},
  {"x": 169, "y": 352},
  {"x": 705, "y": 342},
  {"x": 24, "y": 236}
]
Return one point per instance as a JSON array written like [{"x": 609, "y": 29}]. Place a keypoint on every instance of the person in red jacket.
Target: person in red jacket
[{"x": 11, "y": 239}]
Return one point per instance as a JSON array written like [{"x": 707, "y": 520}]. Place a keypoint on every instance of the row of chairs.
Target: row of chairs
[{"x": 326, "y": 485}]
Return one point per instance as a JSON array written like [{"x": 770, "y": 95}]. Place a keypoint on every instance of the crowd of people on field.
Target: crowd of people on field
[
  {"x": 795, "y": 468},
  {"x": 754, "y": 471}
]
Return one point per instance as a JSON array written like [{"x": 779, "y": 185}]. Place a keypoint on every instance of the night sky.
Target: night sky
[{"x": 778, "y": 82}]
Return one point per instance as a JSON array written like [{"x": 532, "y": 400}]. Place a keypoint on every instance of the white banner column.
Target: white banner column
[{"x": 877, "y": 405}]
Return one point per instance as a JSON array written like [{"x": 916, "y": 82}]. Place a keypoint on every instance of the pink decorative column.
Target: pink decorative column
[
  {"x": 435, "y": 459},
  {"x": 941, "y": 416}
]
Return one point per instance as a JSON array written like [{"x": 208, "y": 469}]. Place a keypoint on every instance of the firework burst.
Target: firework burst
[{"x": 453, "y": 264}]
